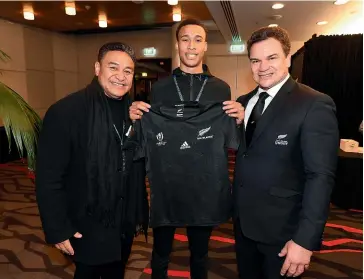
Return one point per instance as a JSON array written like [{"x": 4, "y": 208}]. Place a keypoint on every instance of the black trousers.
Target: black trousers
[
  {"x": 198, "y": 239},
  {"x": 114, "y": 270},
  {"x": 257, "y": 260}
]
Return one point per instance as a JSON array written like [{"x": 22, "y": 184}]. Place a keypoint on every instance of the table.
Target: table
[{"x": 348, "y": 191}]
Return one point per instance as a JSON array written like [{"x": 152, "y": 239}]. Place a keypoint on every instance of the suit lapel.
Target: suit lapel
[{"x": 273, "y": 109}]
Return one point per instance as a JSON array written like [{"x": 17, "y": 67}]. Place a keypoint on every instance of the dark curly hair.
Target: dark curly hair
[
  {"x": 265, "y": 33},
  {"x": 112, "y": 46}
]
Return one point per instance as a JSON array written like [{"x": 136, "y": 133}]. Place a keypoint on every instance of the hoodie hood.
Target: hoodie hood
[{"x": 206, "y": 72}]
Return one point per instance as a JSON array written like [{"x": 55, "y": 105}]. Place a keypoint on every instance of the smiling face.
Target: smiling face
[
  {"x": 115, "y": 73},
  {"x": 191, "y": 46},
  {"x": 269, "y": 63}
]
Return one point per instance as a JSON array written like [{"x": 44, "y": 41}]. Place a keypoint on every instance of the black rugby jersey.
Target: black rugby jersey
[{"x": 186, "y": 149}]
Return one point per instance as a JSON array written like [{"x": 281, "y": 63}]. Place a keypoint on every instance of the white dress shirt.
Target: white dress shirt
[{"x": 272, "y": 92}]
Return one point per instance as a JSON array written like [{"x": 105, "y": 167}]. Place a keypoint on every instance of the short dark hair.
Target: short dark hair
[
  {"x": 265, "y": 33},
  {"x": 190, "y": 21},
  {"x": 112, "y": 46}
]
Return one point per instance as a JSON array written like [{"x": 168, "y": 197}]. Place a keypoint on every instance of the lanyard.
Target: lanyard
[
  {"x": 179, "y": 90},
  {"x": 121, "y": 139}
]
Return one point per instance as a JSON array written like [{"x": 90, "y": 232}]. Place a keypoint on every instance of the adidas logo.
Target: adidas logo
[{"x": 185, "y": 145}]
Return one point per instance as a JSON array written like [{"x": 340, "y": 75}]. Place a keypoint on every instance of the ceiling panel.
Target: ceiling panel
[{"x": 122, "y": 15}]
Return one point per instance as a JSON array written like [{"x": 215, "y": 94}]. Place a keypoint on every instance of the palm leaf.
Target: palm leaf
[
  {"x": 4, "y": 57},
  {"x": 21, "y": 121}
]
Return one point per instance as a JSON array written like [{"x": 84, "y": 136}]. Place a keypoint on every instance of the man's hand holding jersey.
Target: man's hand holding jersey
[
  {"x": 232, "y": 108},
  {"x": 136, "y": 110}
]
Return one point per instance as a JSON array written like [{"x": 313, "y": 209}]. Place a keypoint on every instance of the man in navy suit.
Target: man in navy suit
[{"x": 285, "y": 169}]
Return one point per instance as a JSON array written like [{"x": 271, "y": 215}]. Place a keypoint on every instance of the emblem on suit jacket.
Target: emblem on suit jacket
[
  {"x": 201, "y": 134},
  {"x": 160, "y": 139},
  {"x": 280, "y": 140}
]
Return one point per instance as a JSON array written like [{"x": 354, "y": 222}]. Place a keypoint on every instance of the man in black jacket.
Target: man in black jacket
[
  {"x": 285, "y": 168},
  {"x": 190, "y": 82},
  {"x": 91, "y": 195}
]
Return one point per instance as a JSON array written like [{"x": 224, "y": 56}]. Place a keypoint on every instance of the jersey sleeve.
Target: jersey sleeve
[
  {"x": 232, "y": 133},
  {"x": 140, "y": 139}
]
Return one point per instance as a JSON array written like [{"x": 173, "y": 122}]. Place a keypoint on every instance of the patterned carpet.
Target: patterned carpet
[{"x": 24, "y": 254}]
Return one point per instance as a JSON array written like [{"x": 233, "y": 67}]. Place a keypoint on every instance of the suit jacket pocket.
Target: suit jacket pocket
[{"x": 283, "y": 192}]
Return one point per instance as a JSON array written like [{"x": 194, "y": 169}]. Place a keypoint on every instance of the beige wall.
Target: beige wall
[
  {"x": 234, "y": 69},
  {"x": 43, "y": 66},
  {"x": 88, "y": 46},
  {"x": 47, "y": 66}
]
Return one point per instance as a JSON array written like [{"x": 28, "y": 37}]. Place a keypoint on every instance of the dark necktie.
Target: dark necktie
[{"x": 254, "y": 117}]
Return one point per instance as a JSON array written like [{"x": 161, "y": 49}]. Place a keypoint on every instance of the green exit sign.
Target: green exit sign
[
  {"x": 237, "y": 48},
  {"x": 149, "y": 52}
]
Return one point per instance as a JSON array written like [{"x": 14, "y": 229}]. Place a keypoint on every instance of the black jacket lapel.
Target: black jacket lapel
[{"x": 273, "y": 109}]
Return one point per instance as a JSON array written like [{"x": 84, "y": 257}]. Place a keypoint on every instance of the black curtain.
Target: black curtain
[
  {"x": 334, "y": 65},
  {"x": 297, "y": 64}
]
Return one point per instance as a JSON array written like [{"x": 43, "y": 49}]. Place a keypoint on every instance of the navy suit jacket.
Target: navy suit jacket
[{"x": 284, "y": 178}]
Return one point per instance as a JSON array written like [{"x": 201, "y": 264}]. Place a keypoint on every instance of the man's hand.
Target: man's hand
[
  {"x": 66, "y": 247},
  {"x": 297, "y": 259},
  {"x": 136, "y": 110},
  {"x": 234, "y": 109}
]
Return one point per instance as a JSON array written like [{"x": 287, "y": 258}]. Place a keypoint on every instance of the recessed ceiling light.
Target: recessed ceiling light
[
  {"x": 70, "y": 8},
  {"x": 273, "y": 25},
  {"x": 277, "y": 6},
  {"x": 28, "y": 12},
  {"x": 102, "y": 20},
  {"x": 341, "y": 2},
  {"x": 322, "y": 23},
  {"x": 172, "y": 2},
  {"x": 177, "y": 17}
]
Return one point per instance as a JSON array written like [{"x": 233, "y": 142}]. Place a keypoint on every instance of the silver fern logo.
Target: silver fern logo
[
  {"x": 203, "y": 132},
  {"x": 280, "y": 141}
]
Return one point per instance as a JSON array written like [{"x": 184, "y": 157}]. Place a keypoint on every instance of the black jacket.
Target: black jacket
[
  {"x": 283, "y": 180},
  {"x": 215, "y": 89},
  {"x": 61, "y": 185}
]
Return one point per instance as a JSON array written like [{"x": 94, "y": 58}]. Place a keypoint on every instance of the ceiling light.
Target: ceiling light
[
  {"x": 273, "y": 25},
  {"x": 28, "y": 12},
  {"x": 144, "y": 74},
  {"x": 278, "y": 6},
  {"x": 102, "y": 20},
  {"x": 177, "y": 16},
  {"x": 70, "y": 8},
  {"x": 322, "y": 23},
  {"x": 172, "y": 2},
  {"x": 341, "y": 2}
]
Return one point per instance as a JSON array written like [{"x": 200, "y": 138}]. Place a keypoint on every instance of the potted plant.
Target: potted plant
[{"x": 20, "y": 121}]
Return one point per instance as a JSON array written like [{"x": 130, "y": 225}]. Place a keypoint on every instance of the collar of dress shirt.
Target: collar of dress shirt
[{"x": 274, "y": 90}]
